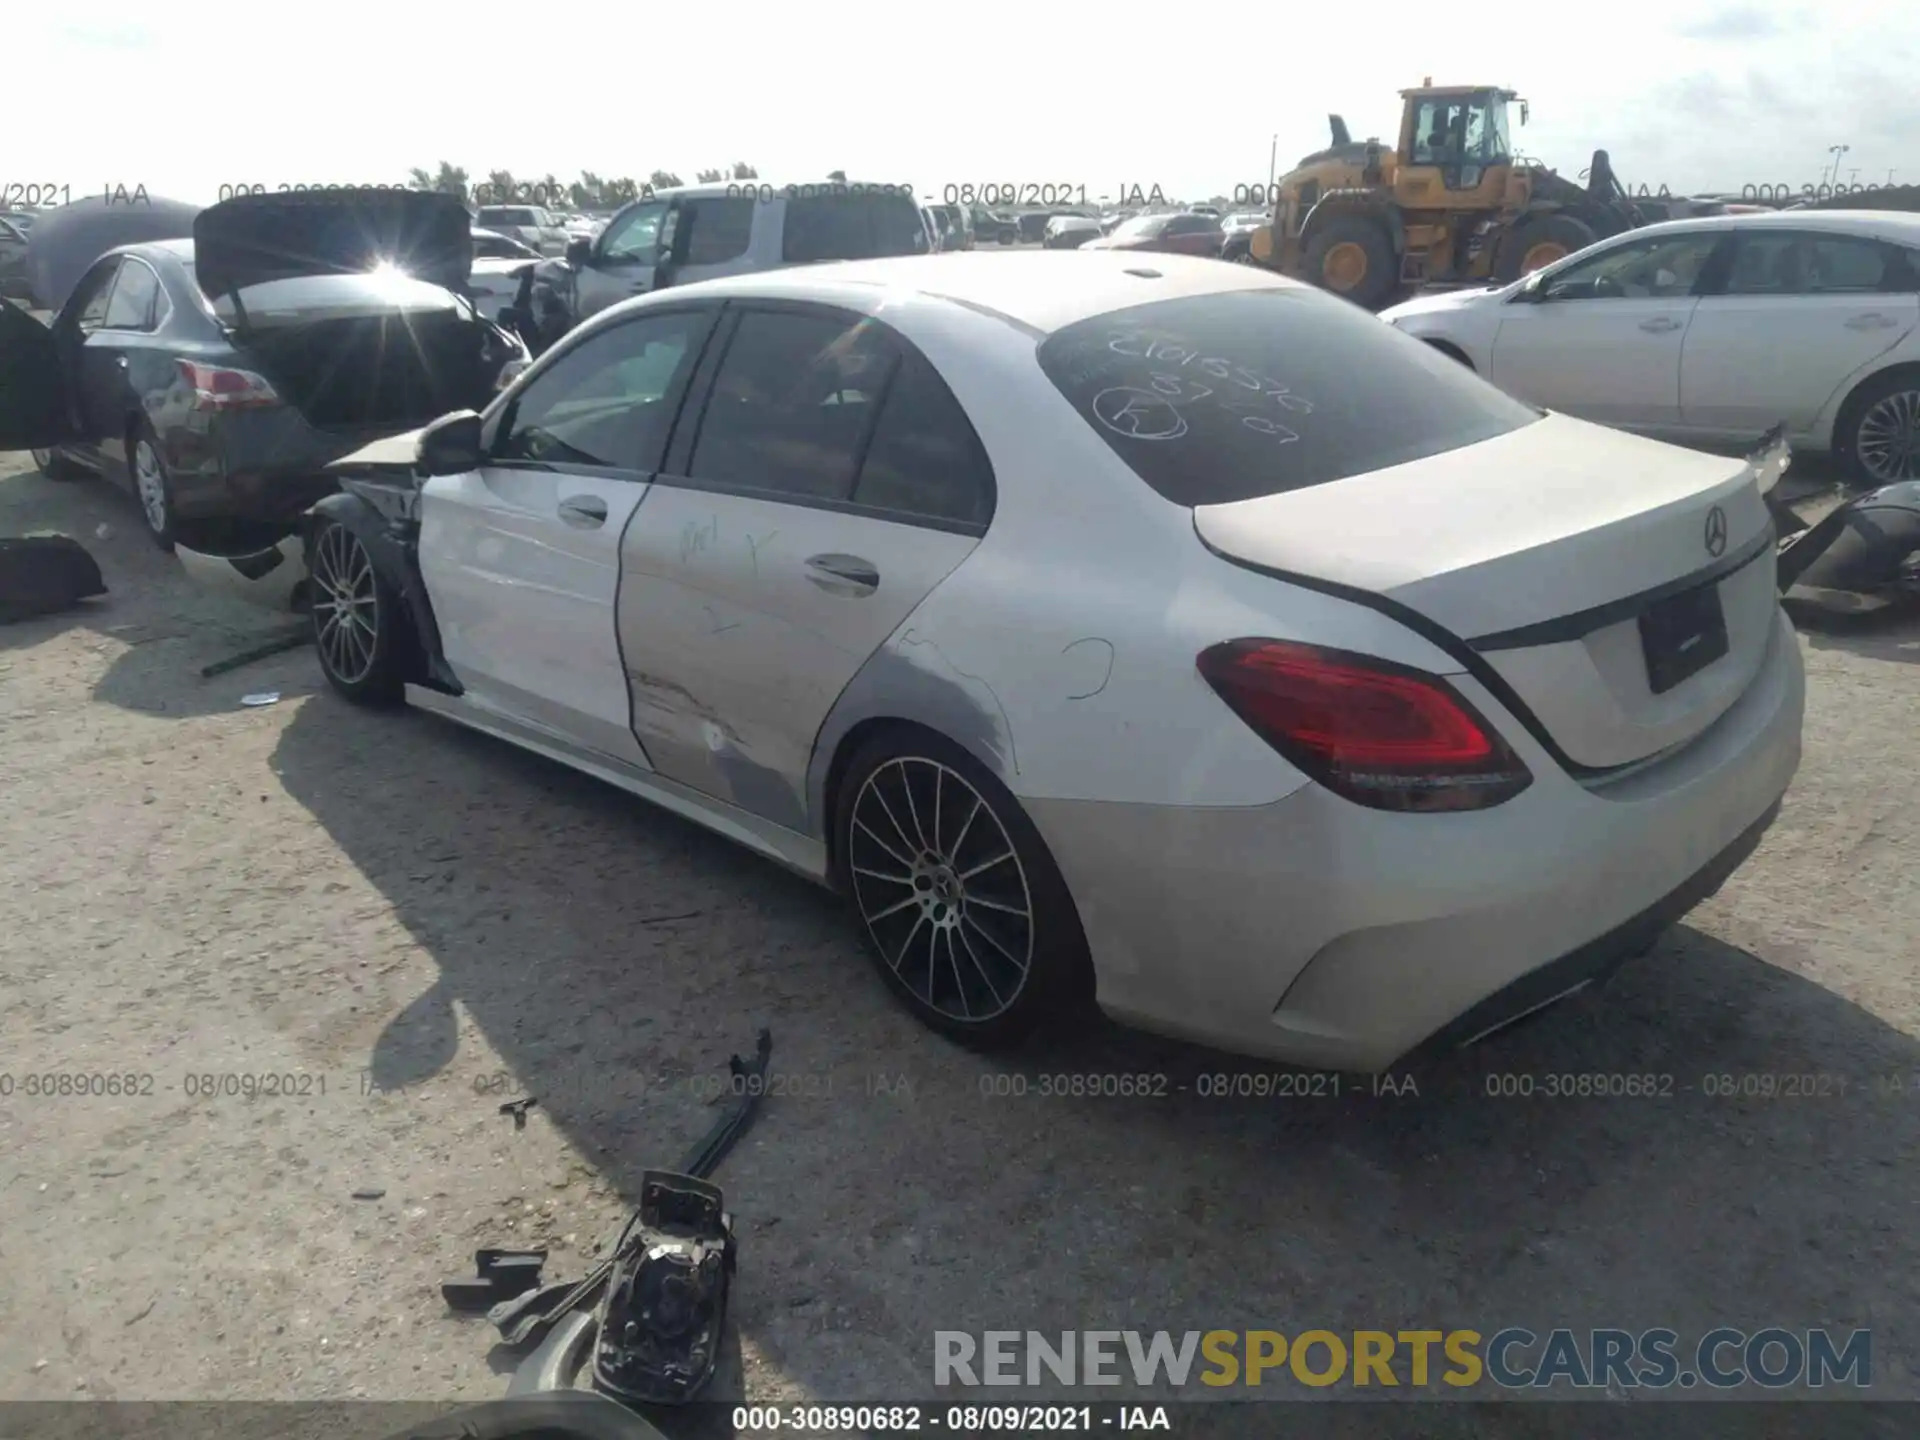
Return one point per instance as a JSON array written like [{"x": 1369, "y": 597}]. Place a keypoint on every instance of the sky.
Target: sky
[{"x": 1194, "y": 100}]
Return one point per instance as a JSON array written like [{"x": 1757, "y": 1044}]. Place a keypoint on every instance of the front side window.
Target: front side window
[
  {"x": 135, "y": 295},
  {"x": 792, "y": 404},
  {"x": 1216, "y": 398},
  {"x": 1786, "y": 263},
  {"x": 635, "y": 237},
  {"x": 717, "y": 229},
  {"x": 1662, "y": 268},
  {"x": 607, "y": 401}
]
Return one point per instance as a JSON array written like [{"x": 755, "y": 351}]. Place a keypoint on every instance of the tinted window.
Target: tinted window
[
  {"x": 1665, "y": 266},
  {"x": 925, "y": 458},
  {"x": 134, "y": 294},
  {"x": 607, "y": 400},
  {"x": 717, "y": 229},
  {"x": 1191, "y": 225},
  {"x": 792, "y": 404},
  {"x": 507, "y": 217},
  {"x": 854, "y": 226},
  {"x": 635, "y": 234},
  {"x": 1783, "y": 263},
  {"x": 89, "y": 298},
  {"x": 1146, "y": 227},
  {"x": 1214, "y": 398}
]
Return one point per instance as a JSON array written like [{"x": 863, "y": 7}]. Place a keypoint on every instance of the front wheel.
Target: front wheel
[
  {"x": 359, "y": 629},
  {"x": 54, "y": 465},
  {"x": 965, "y": 914},
  {"x": 1539, "y": 242},
  {"x": 1352, "y": 256}
]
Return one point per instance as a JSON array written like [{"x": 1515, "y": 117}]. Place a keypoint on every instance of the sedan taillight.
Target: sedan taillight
[
  {"x": 216, "y": 387},
  {"x": 1378, "y": 734}
]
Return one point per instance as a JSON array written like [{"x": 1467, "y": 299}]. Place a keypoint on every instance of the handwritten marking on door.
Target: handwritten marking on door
[
  {"x": 753, "y": 548},
  {"x": 696, "y": 537}
]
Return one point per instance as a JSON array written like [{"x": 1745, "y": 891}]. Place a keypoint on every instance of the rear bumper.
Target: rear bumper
[
  {"x": 1320, "y": 933},
  {"x": 257, "y": 465}
]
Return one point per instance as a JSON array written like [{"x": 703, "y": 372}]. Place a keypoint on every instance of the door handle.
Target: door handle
[
  {"x": 843, "y": 574},
  {"x": 1873, "y": 320},
  {"x": 1659, "y": 324},
  {"x": 584, "y": 512}
]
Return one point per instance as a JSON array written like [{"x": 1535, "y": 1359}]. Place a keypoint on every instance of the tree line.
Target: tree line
[{"x": 589, "y": 192}]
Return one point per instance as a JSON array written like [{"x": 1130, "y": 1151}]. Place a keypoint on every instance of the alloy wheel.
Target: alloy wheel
[
  {"x": 941, "y": 889},
  {"x": 1888, "y": 442},
  {"x": 346, "y": 605},
  {"x": 150, "y": 484}
]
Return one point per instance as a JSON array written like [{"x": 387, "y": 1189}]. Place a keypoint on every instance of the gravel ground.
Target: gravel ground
[{"x": 428, "y": 923}]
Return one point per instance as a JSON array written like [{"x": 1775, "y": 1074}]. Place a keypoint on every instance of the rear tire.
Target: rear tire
[
  {"x": 964, "y": 913},
  {"x": 1876, "y": 439},
  {"x": 1537, "y": 242},
  {"x": 152, "y": 487},
  {"x": 360, "y": 629},
  {"x": 1352, "y": 256}
]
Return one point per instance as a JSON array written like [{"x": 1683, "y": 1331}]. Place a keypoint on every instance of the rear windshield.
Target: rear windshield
[
  {"x": 333, "y": 297},
  {"x": 858, "y": 225},
  {"x": 1217, "y": 398},
  {"x": 506, "y": 217}
]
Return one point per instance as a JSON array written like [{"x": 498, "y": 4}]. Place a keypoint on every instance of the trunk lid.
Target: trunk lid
[
  {"x": 1543, "y": 549},
  {"x": 251, "y": 239}
]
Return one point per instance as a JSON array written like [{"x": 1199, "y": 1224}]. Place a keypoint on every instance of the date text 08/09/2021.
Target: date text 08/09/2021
[{"x": 949, "y": 1419}]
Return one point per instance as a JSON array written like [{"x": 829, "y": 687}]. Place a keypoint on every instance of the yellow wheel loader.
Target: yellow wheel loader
[{"x": 1451, "y": 204}]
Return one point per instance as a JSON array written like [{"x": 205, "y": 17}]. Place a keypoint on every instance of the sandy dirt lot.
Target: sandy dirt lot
[{"x": 426, "y": 923}]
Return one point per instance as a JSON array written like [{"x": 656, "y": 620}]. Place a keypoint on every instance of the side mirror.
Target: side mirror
[
  {"x": 579, "y": 252},
  {"x": 449, "y": 446}
]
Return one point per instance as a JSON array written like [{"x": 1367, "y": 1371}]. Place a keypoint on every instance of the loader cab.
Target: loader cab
[{"x": 1456, "y": 148}]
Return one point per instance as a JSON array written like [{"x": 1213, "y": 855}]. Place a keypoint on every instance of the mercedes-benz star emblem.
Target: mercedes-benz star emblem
[{"x": 1716, "y": 531}]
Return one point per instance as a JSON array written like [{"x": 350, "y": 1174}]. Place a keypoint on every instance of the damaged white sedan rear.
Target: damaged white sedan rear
[{"x": 1156, "y": 629}]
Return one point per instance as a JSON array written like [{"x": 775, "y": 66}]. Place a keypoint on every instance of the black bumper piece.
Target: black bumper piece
[{"x": 1595, "y": 961}]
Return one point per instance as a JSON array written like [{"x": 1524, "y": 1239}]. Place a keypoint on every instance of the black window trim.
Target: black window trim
[
  {"x": 1897, "y": 260},
  {"x": 673, "y": 472},
  {"x": 502, "y": 414},
  {"x": 153, "y": 304}
]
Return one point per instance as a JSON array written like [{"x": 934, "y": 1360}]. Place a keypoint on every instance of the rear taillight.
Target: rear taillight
[
  {"x": 1379, "y": 734},
  {"x": 216, "y": 387}
]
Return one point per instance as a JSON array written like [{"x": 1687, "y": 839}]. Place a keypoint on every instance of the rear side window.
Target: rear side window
[
  {"x": 90, "y": 296},
  {"x": 134, "y": 296},
  {"x": 1217, "y": 398},
  {"x": 925, "y": 459},
  {"x": 793, "y": 403},
  {"x": 718, "y": 229},
  {"x": 859, "y": 225},
  {"x": 1788, "y": 263}
]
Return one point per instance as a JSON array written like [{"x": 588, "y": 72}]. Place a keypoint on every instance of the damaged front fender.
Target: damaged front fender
[{"x": 383, "y": 513}]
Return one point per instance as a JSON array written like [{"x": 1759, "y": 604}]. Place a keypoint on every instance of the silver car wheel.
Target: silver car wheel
[
  {"x": 150, "y": 484},
  {"x": 346, "y": 605},
  {"x": 941, "y": 889},
  {"x": 1888, "y": 441}
]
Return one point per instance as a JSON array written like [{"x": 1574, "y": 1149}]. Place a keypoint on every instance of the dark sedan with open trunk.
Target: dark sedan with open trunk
[{"x": 216, "y": 377}]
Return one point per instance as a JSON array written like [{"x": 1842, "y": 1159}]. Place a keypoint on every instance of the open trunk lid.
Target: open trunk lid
[
  {"x": 1623, "y": 590},
  {"x": 251, "y": 239}
]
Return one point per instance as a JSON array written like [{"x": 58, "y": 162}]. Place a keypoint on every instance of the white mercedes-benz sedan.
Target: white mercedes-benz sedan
[
  {"x": 1715, "y": 330},
  {"x": 1105, "y": 623}
]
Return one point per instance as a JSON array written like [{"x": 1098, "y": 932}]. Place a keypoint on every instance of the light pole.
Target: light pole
[
  {"x": 1273, "y": 161},
  {"x": 1837, "y": 151}
]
